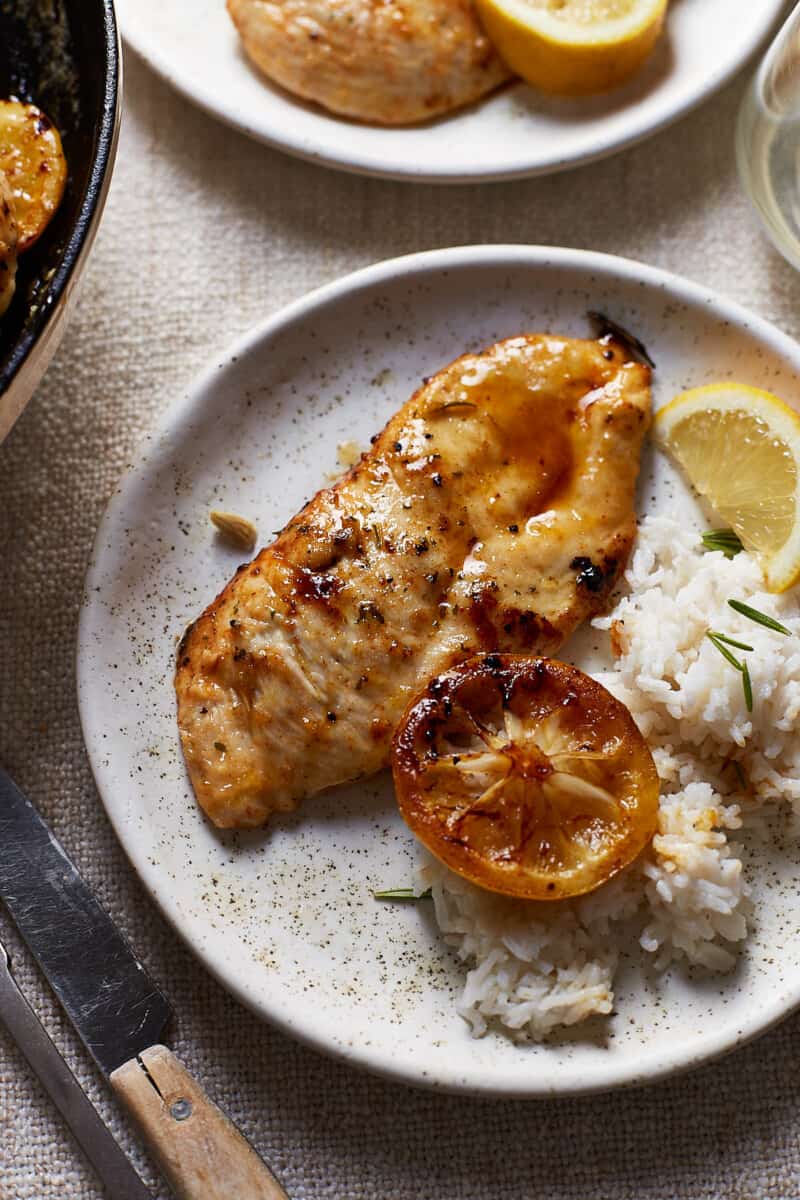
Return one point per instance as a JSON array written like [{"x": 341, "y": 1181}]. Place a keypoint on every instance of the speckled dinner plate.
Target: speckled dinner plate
[
  {"x": 515, "y": 132},
  {"x": 286, "y": 919}
]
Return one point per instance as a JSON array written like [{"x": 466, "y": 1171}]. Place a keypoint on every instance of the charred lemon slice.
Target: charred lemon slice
[
  {"x": 32, "y": 160},
  {"x": 525, "y": 776}
]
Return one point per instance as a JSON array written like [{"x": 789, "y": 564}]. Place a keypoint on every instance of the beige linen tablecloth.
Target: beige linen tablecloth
[{"x": 205, "y": 233}]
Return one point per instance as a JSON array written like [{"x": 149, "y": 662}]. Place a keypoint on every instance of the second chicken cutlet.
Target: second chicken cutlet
[
  {"x": 494, "y": 512},
  {"x": 386, "y": 63}
]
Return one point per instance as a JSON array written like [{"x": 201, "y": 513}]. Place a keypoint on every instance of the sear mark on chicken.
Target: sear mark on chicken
[{"x": 494, "y": 512}]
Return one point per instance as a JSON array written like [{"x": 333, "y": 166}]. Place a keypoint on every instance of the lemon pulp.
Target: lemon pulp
[
  {"x": 573, "y": 47},
  {"x": 585, "y": 12},
  {"x": 745, "y": 455},
  {"x": 740, "y": 448}
]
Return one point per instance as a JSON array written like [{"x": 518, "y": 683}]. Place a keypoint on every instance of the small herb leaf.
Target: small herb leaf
[
  {"x": 760, "y": 618},
  {"x": 729, "y": 641},
  {"x": 724, "y": 540},
  {"x": 748, "y": 687},
  {"x": 737, "y": 767},
  {"x": 724, "y": 651},
  {"x": 403, "y": 894},
  {"x": 454, "y": 405}
]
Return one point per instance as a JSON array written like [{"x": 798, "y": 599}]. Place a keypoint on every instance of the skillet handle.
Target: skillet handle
[{"x": 201, "y": 1153}]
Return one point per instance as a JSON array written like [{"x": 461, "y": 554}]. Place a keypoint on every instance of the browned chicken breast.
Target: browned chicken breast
[
  {"x": 8, "y": 245},
  {"x": 391, "y": 62},
  {"x": 495, "y": 511}
]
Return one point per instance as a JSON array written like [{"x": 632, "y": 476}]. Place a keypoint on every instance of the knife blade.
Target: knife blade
[
  {"x": 119, "y": 1013},
  {"x": 120, "y": 1180},
  {"x": 113, "y": 1004}
]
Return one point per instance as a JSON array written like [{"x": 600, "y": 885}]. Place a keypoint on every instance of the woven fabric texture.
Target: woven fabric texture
[{"x": 205, "y": 233}]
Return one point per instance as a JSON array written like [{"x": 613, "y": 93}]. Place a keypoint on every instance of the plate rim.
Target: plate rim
[
  {"x": 159, "y": 62},
  {"x": 406, "y": 267}
]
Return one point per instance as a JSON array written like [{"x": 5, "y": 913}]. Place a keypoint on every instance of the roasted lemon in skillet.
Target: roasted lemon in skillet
[
  {"x": 32, "y": 161},
  {"x": 525, "y": 776}
]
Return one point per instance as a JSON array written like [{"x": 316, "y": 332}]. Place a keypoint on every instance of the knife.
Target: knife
[
  {"x": 119, "y": 1013},
  {"x": 109, "y": 1161}
]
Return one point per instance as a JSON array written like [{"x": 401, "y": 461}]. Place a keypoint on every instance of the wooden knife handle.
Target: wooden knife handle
[{"x": 201, "y": 1153}]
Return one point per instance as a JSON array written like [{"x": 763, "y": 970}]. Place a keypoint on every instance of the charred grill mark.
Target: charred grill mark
[
  {"x": 183, "y": 644},
  {"x": 515, "y": 628},
  {"x": 378, "y": 729},
  {"x": 594, "y": 577},
  {"x": 610, "y": 331},
  {"x": 369, "y": 611},
  {"x": 482, "y": 608},
  {"x": 314, "y": 586},
  {"x": 527, "y": 629}
]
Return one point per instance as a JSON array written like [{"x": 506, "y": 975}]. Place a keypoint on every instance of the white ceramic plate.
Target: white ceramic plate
[
  {"x": 517, "y": 132},
  {"x": 286, "y": 919}
]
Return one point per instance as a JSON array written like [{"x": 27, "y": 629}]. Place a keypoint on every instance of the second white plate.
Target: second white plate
[
  {"x": 517, "y": 132},
  {"x": 286, "y": 918}
]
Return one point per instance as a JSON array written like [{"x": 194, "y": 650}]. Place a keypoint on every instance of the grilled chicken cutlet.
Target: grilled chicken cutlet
[
  {"x": 494, "y": 512},
  {"x": 390, "y": 63}
]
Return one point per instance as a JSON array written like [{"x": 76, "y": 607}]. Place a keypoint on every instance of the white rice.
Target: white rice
[{"x": 534, "y": 967}]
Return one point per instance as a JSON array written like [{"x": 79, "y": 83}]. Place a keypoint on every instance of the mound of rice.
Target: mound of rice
[{"x": 533, "y": 967}]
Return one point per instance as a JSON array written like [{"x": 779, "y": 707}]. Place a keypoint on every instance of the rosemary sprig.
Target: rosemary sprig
[
  {"x": 729, "y": 641},
  {"x": 722, "y": 539},
  {"x": 760, "y": 618},
  {"x": 403, "y": 894},
  {"x": 449, "y": 405},
  {"x": 724, "y": 651},
  {"x": 718, "y": 641},
  {"x": 737, "y": 767}
]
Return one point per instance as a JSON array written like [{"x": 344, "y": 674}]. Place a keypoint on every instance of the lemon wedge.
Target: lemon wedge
[
  {"x": 740, "y": 448},
  {"x": 573, "y": 47}
]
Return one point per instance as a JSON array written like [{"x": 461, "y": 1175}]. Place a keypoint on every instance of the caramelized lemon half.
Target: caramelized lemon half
[{"x": 525, "y": 776}]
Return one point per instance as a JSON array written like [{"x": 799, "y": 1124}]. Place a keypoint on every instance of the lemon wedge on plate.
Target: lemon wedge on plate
[
  {"x": 573, "y": 47},
  {"x": 740, "y": 448}
]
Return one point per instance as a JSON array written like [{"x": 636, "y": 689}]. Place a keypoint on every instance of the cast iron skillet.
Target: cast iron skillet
[{"x": 64, "y": 56}]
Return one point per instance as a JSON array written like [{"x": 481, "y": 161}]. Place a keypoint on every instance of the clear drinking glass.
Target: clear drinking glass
[{"x": 768, "y": 140}]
